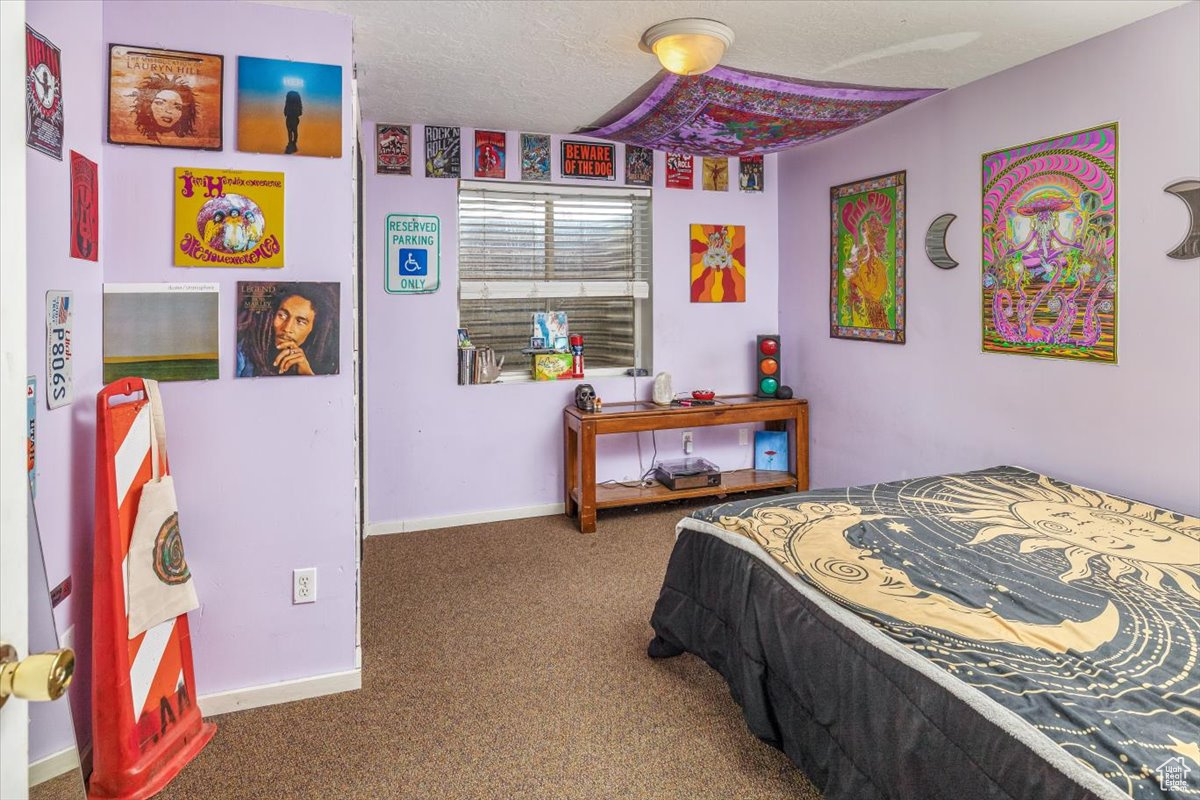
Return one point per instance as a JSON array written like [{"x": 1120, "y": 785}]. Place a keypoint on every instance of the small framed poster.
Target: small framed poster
[
  {"x": 489, "y": 154},
  {"x": 639, "y": 166},
  {"x": 443, "y": 146},
  {"x": 679, "y": 171},
  {"x": 43, "y": 95},
  {"x": 85, "y": 205},
  {"x": 590, "y": 160},
  {"x": 535, "y": 157},
  {"x": 393, "y": 150}
]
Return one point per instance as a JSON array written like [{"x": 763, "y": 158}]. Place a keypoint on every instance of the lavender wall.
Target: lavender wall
[
  {"x": 264, "y": 468},
  {"x": 66, "y": 436},
  {"x": 937, "y": 403},
  {"x": 436, "y": 449}
]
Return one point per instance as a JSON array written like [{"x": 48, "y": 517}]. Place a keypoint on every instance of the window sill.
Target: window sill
[{"x": 525, "y": 377}]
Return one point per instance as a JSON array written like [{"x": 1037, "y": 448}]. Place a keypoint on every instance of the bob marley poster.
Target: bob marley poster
[
  {"x": 718, "y": 255},
  {"x": 228, "y": 218},
  {"x": 393, "y": 150},
  {"x": 287, "y": 328},
  {"x": 289, "y": 107},
  {"x": 164, "y": 98},
  {"x": 866, "y": 283}
]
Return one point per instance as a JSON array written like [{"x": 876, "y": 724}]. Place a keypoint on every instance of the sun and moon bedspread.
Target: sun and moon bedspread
[{"x": 1077, "y": 610}]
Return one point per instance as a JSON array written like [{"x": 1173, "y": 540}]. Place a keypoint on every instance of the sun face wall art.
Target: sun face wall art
[
  {"x": 1049, "y": 283},
  {"x": 718, "y": 260}
]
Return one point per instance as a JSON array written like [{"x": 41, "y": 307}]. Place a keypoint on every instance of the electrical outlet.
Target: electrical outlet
[
  {"x": 743, "y": 436},
  {"x": 304, "y": 585},
  {"x": 687, "y": 443}
]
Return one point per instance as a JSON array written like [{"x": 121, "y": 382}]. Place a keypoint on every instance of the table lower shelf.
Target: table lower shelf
[{"x": 741, "y": 480}]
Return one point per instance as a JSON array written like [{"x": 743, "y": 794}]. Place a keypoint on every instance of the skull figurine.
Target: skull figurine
[{"x": 585, "y": 397}]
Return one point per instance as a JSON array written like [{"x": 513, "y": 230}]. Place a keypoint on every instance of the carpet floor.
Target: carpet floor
[{"x": 506, "y": 660}]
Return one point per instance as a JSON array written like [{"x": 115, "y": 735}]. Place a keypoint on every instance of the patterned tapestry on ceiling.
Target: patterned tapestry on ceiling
[{"x": 728, "y": 112}]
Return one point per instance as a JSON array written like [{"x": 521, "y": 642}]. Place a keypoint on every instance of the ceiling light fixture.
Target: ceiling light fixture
[{"x": 690, "y": 46}]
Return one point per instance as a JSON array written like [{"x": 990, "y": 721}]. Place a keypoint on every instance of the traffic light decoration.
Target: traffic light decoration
[{"x": 767, "y": 354}]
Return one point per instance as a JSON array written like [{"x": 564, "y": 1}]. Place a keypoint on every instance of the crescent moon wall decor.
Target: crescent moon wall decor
[
  {"x": 1189, "y": 192},
  {"x": 935, "y": 242}
]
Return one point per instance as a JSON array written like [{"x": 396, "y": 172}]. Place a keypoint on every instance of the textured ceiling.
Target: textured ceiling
[{"x": 555, "y": 66}]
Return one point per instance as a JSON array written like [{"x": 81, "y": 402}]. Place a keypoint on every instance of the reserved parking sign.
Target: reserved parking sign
[{"x": 414, "y": 254}]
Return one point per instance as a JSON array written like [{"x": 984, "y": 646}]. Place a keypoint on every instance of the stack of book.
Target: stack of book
[{"x": 467, "y": 365}]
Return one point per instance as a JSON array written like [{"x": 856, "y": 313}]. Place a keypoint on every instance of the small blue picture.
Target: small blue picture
[{"x": 771, "y": 450}]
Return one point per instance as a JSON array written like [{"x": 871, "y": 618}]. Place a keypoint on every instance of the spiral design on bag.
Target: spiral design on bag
[{"x": 169, "y": 564}]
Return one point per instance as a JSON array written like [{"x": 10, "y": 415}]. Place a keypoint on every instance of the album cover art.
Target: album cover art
[
  {"x": 228, "y": 218},
  {"x": 290, "y": 107},
  {"x": 165, "y": 98},
  {"x": 288, "y": 328}
]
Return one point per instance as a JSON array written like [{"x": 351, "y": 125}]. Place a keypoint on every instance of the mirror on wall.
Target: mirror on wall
[{"x": 54, "y": 763}]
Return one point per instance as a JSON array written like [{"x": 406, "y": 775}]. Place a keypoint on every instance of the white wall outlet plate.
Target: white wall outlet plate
[
  {"x": 687, "y": 443},
  {"x": 304, "y": 585},
  {"x": 743, "y": 436}
]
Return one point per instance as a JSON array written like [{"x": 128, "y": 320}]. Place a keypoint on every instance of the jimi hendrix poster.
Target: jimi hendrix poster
[
  {"x": 443, "y": 146},
  {"x": 43, "y": 95},
  {"x": 489, "y": 154},
  {"x": 164, "y": 98},
  {"x": 393, "y": 150},
  {"x": 85, "y": 214},
  {"x": 228, "y": 218}
]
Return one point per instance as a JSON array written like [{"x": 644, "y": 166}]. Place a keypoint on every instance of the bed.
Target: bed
[{"x": 989, "y": 634}]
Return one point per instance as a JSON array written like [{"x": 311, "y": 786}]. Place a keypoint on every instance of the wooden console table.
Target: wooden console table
[{"x": 582, "y": 497}]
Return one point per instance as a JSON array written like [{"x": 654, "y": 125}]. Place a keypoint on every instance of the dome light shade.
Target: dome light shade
[{"x": 688, "y": 46}]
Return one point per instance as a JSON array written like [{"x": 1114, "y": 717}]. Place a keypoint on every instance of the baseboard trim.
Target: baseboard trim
[
  {"x": 283, "y": 692},
  {"x": 454, "y": 520},
  {"x": 53, "y": 765}
]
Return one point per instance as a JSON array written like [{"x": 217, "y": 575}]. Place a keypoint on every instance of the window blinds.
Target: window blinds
[{"x": 582, "y": 250}]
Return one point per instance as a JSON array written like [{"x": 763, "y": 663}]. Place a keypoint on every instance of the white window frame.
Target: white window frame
[{"x": 515, "y": 290}]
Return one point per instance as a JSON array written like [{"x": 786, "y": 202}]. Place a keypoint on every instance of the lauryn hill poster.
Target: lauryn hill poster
[{"x": 164, "y": 98}]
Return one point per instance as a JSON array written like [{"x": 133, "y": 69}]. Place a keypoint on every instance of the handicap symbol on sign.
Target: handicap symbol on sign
[{"x": 414, "y": 262}]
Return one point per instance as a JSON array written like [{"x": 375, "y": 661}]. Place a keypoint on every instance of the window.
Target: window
[{"x": 582, "y": 250}]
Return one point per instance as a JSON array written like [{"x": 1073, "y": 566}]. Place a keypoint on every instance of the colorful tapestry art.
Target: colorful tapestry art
[
  {"x": 728, "y": 112},
  {"x": 718, "y": 263},
  {"x": 1050, "y": 247},
  {"x": 866, "y": 282}
]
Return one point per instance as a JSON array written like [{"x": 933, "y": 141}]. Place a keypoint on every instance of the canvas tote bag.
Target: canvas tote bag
[{"x": 159, "y": 585}]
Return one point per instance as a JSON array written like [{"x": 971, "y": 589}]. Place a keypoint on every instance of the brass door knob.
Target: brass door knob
[{"x": 41, "y": 676}]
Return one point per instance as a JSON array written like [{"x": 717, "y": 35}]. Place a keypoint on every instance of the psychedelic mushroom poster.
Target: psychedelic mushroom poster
[{"x": 228, "y": 218}]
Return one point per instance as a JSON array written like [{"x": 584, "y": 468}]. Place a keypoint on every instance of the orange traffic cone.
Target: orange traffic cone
[{"x": 146, "y": 725}]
